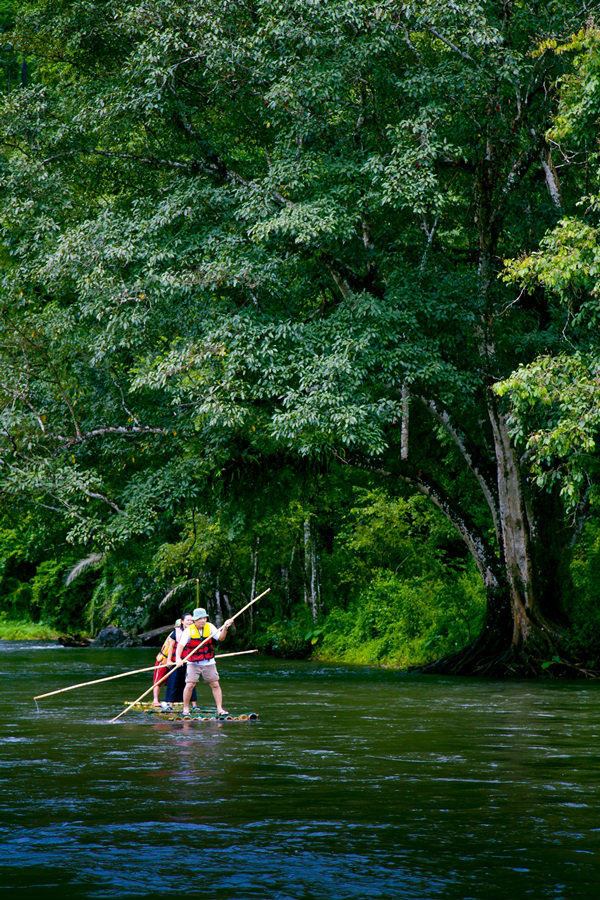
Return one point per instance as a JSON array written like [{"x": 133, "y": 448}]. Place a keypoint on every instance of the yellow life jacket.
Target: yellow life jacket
[{"x": 194, "y": 632}]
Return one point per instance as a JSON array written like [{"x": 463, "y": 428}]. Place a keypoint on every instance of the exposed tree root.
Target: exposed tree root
[{"x": 537, "y": 659}]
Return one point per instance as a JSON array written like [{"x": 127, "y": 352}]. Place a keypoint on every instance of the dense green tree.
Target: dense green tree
[
  {"x": 555, "y": 398},
  {"x": 234, "y": 231}
]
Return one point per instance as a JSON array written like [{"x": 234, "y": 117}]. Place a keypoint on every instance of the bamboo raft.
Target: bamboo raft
[{"x": 197, "y": 714}]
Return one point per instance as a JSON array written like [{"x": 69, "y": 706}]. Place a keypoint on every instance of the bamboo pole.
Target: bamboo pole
[
  {"x": 152, "y": 686},
  {"x": 72, "y": 687},
  {"x": 96, "y": 681},
  {"x": 237, "y": 653}
]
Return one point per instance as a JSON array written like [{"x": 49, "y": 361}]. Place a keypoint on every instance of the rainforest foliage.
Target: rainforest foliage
[{"x": 303, "y": 294}]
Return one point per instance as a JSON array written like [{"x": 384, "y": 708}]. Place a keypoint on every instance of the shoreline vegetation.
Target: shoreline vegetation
[
  {"x": 399, "y": 635},
  {"x": 342, "y": 643},
  {"x": 30, "y": 631},
  {"x": 16, "y": 630}
]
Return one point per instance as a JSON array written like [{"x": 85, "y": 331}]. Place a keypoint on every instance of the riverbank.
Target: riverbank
[
  {"x": 336, "y": 649},
  {"x": 18, "y": 630},
  {"x": 341, "y": 640}
]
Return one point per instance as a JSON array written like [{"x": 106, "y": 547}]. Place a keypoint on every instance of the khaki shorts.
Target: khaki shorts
[{"x": 209, "y": 673}]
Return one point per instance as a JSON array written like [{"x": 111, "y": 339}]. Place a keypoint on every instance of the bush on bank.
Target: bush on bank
[
  {"x": 396, "y": 622},
  {"x": 13, "y": 630},
  {"x": 402, "y": 623}
]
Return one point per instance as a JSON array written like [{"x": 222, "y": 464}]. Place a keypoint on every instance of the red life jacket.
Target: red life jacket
[{"x": 192, "y": 651}]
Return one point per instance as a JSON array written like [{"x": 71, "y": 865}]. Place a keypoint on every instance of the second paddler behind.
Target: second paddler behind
[{"x": 197, "y": 644}]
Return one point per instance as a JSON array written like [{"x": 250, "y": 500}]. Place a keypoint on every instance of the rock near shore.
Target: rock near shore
[{"x": 111, "y": 636}]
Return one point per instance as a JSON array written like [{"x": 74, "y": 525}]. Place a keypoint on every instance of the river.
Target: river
[{"x": 354, "y": 783}]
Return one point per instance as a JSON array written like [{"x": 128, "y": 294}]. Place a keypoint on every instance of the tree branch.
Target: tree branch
[
  {"x": 443, "y": 417},
  {"x": 449, "y": 43},
  {"x": 111, "y": 429}
]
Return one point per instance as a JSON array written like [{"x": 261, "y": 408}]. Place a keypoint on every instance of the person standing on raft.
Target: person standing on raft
[
  {"x": 176, "y": 681},
  {"x": 162, "y": 663},
  {"x": 201, "y": 659}
]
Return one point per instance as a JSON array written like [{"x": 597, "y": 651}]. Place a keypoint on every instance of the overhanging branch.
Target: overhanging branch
[{"x": 460, "y": 441}]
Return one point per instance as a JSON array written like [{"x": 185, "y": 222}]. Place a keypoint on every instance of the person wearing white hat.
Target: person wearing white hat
[{"x": 198, "y": 643}]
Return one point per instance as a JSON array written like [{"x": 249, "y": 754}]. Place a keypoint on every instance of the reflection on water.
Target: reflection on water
[{"x": 352, "y": 784}]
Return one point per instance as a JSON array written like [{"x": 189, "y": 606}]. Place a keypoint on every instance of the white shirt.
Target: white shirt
[{"x": 215, "y": 633}]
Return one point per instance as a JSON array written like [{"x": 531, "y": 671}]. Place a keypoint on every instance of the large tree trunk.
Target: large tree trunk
[
  {"x": 516, "y": 534},
  {"x": 520, "y": 634}
]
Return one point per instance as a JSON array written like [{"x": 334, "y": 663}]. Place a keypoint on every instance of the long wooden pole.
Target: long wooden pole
[
  {"x": 237, "y": 653},
  {"x": 152, "y": 686},
  {"x": 72, "y": 687},
  {"x": 96, "y": 681}
]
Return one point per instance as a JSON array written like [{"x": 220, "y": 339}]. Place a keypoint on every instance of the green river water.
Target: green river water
[{"x": 353, "y": 784}]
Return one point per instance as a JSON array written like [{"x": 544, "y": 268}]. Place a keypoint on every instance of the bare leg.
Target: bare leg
[
  {"x": 187, "y": 693},
  {"x": 155, "y": 695},
  {"x": 218, "y": 695}
]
